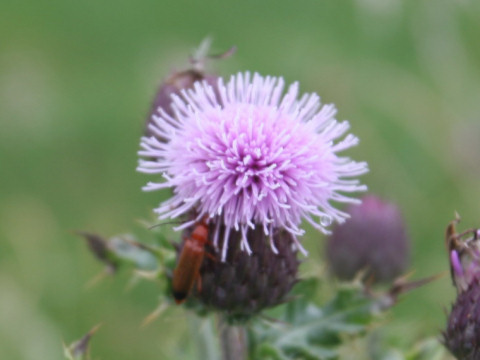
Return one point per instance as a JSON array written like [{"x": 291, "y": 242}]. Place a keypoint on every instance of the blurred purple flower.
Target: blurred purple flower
[
  {"x": 373, "y": 239},
  {"x": 251, "y": 156}
]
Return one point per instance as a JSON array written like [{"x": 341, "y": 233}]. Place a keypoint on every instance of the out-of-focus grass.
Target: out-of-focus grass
[{"x": 76, "y": 80}]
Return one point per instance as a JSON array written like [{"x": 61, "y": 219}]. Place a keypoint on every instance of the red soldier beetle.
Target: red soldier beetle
[{"x": 187, "y": 271}]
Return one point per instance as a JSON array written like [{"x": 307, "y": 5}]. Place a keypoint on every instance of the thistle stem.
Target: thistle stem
[{"x": 233, "y": 341}]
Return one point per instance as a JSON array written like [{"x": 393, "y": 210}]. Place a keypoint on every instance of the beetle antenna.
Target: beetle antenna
[{"x": 164, "y": 223}]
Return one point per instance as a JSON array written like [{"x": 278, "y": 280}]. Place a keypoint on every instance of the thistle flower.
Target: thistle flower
[
  {"x": 373, "y": 239},
  {"x": 251, "y": 157}
]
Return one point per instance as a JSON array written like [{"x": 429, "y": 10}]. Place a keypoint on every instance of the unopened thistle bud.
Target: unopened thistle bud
[
  {"x": 173, "y": 85},
  {"x": 374, "y": 240},
  {"x": 182, "y": 80},
  {"x": 462, "y": 336},
  {"x": 101, "y": 249}
]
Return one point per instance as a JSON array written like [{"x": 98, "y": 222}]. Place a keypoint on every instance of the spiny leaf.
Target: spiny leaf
[
  {"x": 79, "y": 350},
  {"x": 308, "y": 331},
  {"x": 131, "y": 251},
  {"x": 125, "y": 250},
  {"x": 313, "y": 332}
]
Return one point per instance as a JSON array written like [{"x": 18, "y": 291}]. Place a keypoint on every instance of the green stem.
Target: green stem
[
  {"x": 233, "y": 340},
  {"x": 206, "y": 338}
]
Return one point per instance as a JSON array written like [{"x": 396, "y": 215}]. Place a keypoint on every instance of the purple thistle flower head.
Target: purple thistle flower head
[{"x": 247, "y": 154}]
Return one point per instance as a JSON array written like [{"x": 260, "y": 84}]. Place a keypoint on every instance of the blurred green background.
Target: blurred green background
[{"x": 76, "y": 82}]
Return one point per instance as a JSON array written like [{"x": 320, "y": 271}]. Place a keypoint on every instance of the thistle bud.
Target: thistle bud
[
  {"x": 99, "y": 247},
  {"x": 182, "y": 80},
  {"x": 244, "y": 284},
  {"x": 79, "y": 350},
  {"x": 462, "y": 336},
  {"x": 176, "y": 82},
  {"x": 374, "y": 239}
]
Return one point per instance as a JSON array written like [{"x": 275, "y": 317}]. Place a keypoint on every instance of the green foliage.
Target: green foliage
[
  {"x": 303, "y": 329},
  {"x": 425, "y": 349},
  {"x": 428, "y": 349},
  {"x": 129, "y": 251},
  {"x": 308, "y": 331},
  {"x": 126, "y": 251}
]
